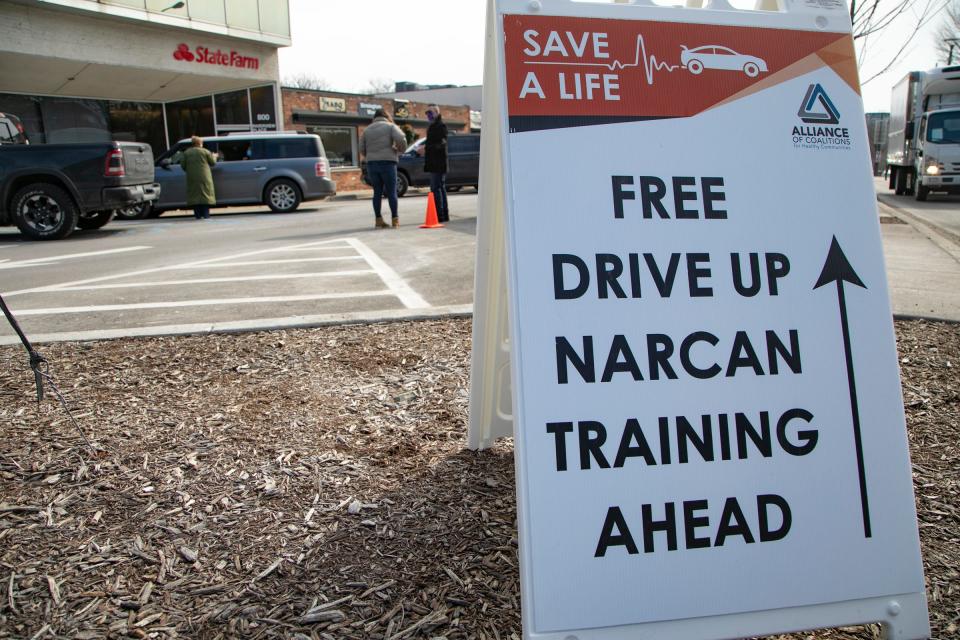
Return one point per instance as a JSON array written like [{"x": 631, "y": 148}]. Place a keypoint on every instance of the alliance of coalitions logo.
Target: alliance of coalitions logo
[{"x": 822, "y": 119}]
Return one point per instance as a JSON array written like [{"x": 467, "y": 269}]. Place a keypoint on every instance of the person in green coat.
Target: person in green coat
[{"x": 196, "y": 162}]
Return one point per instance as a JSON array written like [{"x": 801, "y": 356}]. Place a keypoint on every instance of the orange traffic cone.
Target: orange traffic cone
[{"x": 431, "y": 222}]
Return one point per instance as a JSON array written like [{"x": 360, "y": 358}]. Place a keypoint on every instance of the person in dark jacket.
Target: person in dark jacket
[
  {"x": 196, "y": 162},
  {"x": 435, "y": 161}
]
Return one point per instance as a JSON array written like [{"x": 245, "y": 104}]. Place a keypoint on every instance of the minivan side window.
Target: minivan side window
[
  {"x": 233, "y": 150},
  {"x": 291, "y": 148}
]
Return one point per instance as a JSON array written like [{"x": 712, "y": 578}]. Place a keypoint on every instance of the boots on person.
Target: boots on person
[
  {"x": 396, "y": 223},
  {"x": 380, "y": 224}
]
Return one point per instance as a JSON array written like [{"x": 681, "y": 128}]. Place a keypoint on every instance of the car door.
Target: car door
[
  {"x": 236, "y": 174},
  {"x": 457, "y": 159},
  {"x": 172, "y": 179}
]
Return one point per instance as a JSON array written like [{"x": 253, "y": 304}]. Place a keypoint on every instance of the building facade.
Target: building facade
[
  {"x": 153, "y": 71},
  {"x": 340, "y": 118}
]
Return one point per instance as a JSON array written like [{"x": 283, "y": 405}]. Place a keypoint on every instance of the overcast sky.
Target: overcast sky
[{"x": 348, "y": 43}]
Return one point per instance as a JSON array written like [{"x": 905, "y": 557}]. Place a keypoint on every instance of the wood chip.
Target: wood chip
[{"x": 314, "y": 484}]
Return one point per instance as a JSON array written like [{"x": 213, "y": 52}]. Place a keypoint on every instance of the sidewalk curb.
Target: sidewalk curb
[
  {"x": 250, "y": 326},
  {"x": 943, "y": 238},
  {"x": 351, "y": 195}
]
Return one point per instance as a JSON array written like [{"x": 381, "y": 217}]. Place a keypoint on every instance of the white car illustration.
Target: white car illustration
[{"x": 714, "y": 56}]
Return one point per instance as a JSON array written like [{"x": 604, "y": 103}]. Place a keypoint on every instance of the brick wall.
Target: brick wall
[{"x": 308, "y": 101}]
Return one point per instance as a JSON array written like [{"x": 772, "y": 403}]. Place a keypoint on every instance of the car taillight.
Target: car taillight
[
  {"x": 113, "y": 165},
  {"x": 321, "y": 168}
]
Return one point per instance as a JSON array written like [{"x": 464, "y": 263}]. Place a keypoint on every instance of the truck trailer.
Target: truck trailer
[{"x": 923, "y": 148}]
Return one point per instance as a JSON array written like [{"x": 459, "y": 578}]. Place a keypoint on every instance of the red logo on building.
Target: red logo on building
[
  {"x": 203, "y": 55},
  {"x": 183, "y": 53}
]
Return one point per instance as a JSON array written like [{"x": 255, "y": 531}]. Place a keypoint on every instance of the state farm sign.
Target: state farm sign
[{"x": 204, "y": 55}]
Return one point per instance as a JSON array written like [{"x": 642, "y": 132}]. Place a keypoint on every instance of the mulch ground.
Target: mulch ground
[{"x": 315, "y": 484}]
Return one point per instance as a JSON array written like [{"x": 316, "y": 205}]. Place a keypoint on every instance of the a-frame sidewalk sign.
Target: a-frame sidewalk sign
[{"x": 682, "y": 318}]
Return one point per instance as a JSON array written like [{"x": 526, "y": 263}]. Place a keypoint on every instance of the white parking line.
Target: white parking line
[
  {"x": 396, "y": 286},
  {"x": 250, "y": 263},
  {"x": 410, "y": 298},
  {"x": 36, "y": 262},
  {"x": 165, "y": 283},
  {"x": 202, "y": 303},
  {"x": 197, "y": 263}
]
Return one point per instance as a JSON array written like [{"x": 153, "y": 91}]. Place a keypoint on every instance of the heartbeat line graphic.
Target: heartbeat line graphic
[{"x": 650, "y": 62}]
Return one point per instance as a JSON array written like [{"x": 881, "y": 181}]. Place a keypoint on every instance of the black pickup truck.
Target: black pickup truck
[{"x": 48, "y": 190}]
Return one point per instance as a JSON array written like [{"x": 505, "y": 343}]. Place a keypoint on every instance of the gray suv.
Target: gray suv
[{"x": 280, "y": 170}]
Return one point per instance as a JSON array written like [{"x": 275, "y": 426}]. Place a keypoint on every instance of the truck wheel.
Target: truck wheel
[
  {"x": 900, "y": 182},
  {"x": 283, "y": 196},
  {"x": 94, "y": 219},
  {"x": 403, "y": 183},
  {"x": 921, "y": 192},
  {"x": 44, "y": 211}
]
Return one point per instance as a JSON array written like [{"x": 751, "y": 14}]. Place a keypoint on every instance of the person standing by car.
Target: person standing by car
[
  {"x": 435, "y": 161},
  {"x": 380, "y": 144},
  {"x": 196, "y": 162}
]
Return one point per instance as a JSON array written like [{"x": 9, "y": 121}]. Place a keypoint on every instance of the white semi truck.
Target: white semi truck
[{"x": 923, "y": 148}]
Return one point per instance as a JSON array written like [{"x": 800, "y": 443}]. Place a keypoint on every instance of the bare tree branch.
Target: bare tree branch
[
  {"x": 873, "y": 18},
  {"x": 305, "y": 81},
  {"x": 379, "y": 85},
  {"x": 947, "y": 37}
]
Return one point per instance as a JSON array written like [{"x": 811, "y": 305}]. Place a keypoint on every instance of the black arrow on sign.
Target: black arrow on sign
[{"x": 837, "y": 269}]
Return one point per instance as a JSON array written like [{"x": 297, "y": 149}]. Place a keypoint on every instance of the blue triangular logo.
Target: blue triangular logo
[{"x": 817, "y": 108}]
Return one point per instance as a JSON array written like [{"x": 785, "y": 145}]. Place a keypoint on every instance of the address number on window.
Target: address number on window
[{"x": 264, "y": 117}]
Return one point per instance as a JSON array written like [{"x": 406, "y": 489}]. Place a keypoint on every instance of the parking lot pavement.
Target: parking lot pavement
[{"x": 238, "y": 271}]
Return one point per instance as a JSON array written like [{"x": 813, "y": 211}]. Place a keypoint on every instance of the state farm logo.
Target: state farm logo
[
  {"x": 205, "y": 55},
  {"x": 820, "y": 115},
  {"x": 183, "y": 53}
]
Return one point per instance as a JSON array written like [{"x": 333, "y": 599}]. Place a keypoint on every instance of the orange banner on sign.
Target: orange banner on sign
[{"x": 583, "y": 70}]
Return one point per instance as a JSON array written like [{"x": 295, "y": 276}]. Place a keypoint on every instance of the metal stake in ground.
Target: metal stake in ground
[{"x": 41, "y": 370}]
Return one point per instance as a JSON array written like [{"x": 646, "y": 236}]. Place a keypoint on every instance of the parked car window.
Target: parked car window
[
  {"x": 463, "y": 144},
  {"x": 415, "y": 147},
  {"x": 7, "y": 134},
  {"x": 233, "y": 150},
  {"x": 291, "y": 148}
]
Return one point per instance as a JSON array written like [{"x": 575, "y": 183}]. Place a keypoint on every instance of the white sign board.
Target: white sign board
[{"x": 710, "y": 436}]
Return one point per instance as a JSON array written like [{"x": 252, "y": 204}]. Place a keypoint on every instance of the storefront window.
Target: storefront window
[
  {"x": 138, "y": 122},
  {"x": 264, "y": 111},
  {"x": 74, "y": 120},
  {"x": 233, "y": 108},
  {"x": 190, "y": 117},
  {"x": 340, "y": 143},
  {"x": 27, "y": 108}
]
